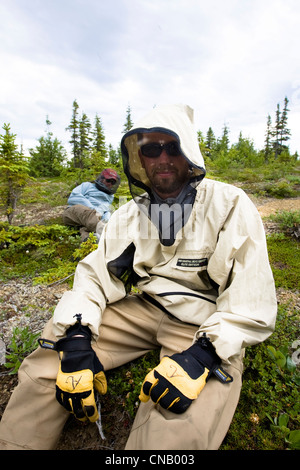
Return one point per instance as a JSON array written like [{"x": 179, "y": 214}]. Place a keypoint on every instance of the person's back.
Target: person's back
[{"x": 90, "y": 204}]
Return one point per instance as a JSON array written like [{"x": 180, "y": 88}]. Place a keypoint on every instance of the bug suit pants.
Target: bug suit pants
[
  {"x": 33, "y": 419},
  {"x": 81, "y": 216}
]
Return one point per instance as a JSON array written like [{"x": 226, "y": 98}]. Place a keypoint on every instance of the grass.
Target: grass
[{"x": 284, "y": 258}]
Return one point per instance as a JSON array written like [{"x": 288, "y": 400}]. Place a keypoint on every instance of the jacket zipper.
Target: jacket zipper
[{"x": 165, "y": 294}]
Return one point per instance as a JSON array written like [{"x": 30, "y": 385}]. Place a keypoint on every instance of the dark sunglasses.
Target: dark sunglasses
[
  {"x": 154, "y": 150},
  {"x": 111, "y": 180}
]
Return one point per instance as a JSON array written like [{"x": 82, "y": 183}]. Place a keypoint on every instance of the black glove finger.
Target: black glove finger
[
  {"x": 175, "y": 401},
  {"x": 89, "y": 410},
  {"x": 169, "y": 397},
  {"x": 63, "y": 399},
  {"x": 146, "y": 387},
  {"x": 78, "y": 409},
  {"x": 160, "y": 389}
]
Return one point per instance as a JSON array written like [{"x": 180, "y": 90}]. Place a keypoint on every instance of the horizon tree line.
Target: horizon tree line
[
  {"x": 89, "y": 149},
  {"x": 91, "y": 155}
]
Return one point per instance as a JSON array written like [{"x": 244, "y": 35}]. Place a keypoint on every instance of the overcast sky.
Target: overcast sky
[{"x": 230, "y": 60}]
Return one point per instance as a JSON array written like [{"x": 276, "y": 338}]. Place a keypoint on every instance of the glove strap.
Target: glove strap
[
  {"x": 222, "y": 375},
  {"x": 66, "y": 344},
  {"x": 216, "y": 369},
  {"x": 78, "y": 339}
]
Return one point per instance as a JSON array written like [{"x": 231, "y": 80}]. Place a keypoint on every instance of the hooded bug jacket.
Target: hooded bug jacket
[{"x": 215, "y": 272}]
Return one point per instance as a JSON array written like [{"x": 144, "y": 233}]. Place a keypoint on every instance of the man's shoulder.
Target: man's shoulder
[{"x": 85, "y": 184}]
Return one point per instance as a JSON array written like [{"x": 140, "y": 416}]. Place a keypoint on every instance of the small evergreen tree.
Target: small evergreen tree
[
  {"x": 223, "y": 143},
  {"x": 14, "y": 172},
  {"x": 84, "y": 141},
  {"x": 128, "y": 123},
  {"x": 75, "y": 135},
  {"x": 268, "y": 140},
  {"x": 285, "y": 133},
  {"x": 99, "y": 138},
  {"x": 246, "y": 155},
  {"x": 210, "y": 141},
  {"x": 277, "y": 132},
  {"x": 281, "y": 134},
  {"x": 48, "y": 157}
]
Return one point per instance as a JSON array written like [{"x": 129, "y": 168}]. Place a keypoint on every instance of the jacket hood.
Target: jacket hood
[{"x": 176, "y": 120}]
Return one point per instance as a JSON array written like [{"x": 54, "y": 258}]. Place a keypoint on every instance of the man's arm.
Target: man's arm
[
  {"x": 246, "y": 306},
  {"x": 79, "y": 196}
]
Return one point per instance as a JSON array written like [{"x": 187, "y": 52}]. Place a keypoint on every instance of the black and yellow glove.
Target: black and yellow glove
[
  {"x": 179, "y": 379},
  {"x": 80, "y": 371}
]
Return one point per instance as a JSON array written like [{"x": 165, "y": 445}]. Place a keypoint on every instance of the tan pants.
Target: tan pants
[
  {"x": 34, "y": 419},
  {"x": 83, "y": 217}
]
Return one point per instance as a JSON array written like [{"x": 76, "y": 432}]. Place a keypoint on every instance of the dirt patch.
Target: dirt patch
[
  {"x": 35, "y": 214},
  {"x": 277, "y": 205}
]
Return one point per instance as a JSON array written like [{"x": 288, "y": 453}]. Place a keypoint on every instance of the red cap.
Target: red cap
[{"x": 109, "y": 173}]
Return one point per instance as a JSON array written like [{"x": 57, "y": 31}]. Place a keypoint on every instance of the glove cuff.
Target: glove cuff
[
  {"x": 79, "y": 329},
  {"x": 73, "y": 344},
  {"x": 204, "y": 352},
  {"x": 78, "y": 338}
]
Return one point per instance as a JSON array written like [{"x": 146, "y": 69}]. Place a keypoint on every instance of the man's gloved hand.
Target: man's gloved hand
[
  {"x": 179, "y": 379},
  {"x": 80, "y": 371}
]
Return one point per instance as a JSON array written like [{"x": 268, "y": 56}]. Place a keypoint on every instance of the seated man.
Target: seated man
[
  {"x": 89, "y": 204},
  {"x": 196, "y": 250}
]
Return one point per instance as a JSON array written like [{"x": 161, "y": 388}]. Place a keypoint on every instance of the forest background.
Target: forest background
[{"x": 45, "y": 253}]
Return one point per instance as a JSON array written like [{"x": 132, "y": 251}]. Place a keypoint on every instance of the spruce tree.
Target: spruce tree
[
  {"x": 210, "y": 143},
  {"x": 99, "y": 138},
  {"x": 75, "y": 135},
  {"x": 281, "y": 133},
  {"x": 277, "y": 132},
  {"x": 223, "y": 143},
  {"x": 285, "y": 133},
  {"x": 14, "y": 172},
  {"x": 48, "y": 157},
  {"x": 268, "y": 139},
  {"x": 128, "y": 123},
  {"x": 84, "y": 141}
]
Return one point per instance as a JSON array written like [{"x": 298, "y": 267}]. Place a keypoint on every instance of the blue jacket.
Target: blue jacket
[{"x": 88, "y": 195}]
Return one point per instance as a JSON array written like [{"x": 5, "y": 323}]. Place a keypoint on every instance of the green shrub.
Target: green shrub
[
  {"x": 125, "y": 382},
  {"x": 289, "y": 222},
  {"x": 280, "y": 189},
  {"x": 284, "y": 260},
  {"x": 28, "y": 251},
  {"x": 22, "y": 343},
  {"x": 270, "y": 388}
]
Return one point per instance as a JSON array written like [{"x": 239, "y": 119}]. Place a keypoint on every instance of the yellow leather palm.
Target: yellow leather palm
[
  {"x": 75, "y": 391},
  {"x": 170, "y": 378}
]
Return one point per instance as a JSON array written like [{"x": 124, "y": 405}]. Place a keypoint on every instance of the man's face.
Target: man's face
[
  {"x": 108, "y": 182},
  {"x": 167, "y": 173}
]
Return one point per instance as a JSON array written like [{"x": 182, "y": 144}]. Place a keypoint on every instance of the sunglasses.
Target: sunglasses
[
  {"x": 154, "y": 150},
  {"x": 110, "y": 180}
]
